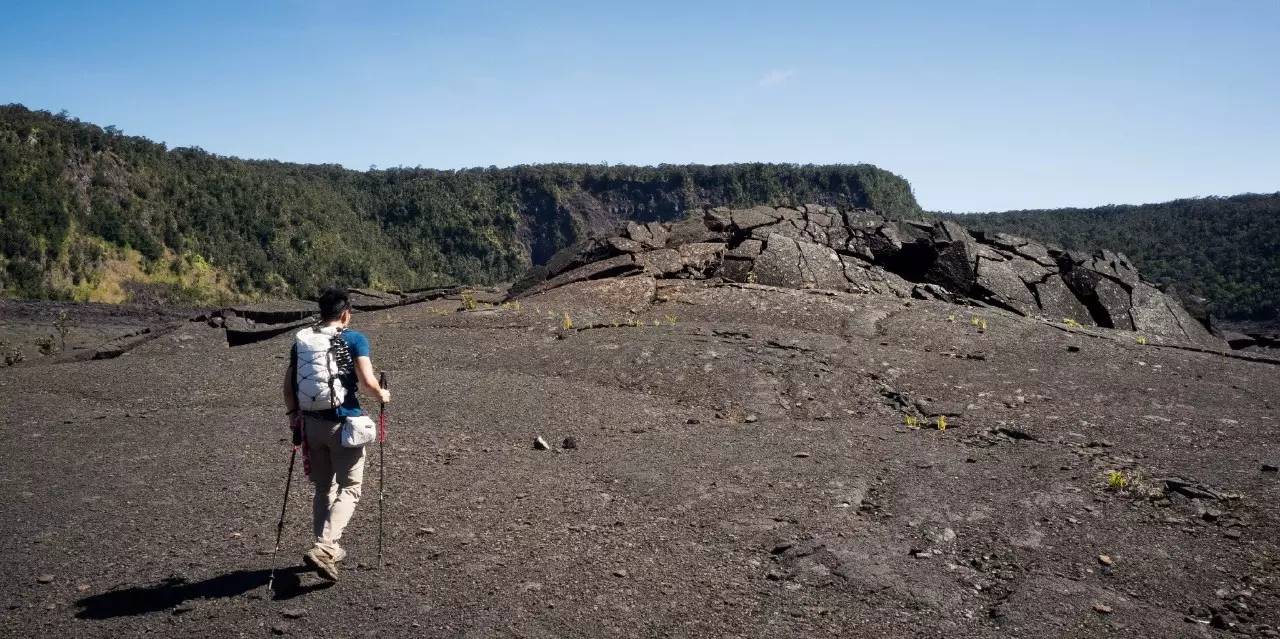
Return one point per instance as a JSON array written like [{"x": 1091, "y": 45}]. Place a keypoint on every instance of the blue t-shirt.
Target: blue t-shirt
[{"x": 357, "y": 346}]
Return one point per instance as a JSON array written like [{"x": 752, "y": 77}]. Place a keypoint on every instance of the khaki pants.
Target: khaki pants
[{"x": 337, "y": 473}]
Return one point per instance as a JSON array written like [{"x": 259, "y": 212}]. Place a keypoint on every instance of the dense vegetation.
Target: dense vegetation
[
  {"x": 1225, "y": 249},
  {"x": 91, "y": 213}
]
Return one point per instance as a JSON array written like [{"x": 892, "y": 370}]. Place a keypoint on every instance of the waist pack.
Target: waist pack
[{"x": 358, "y": 431}]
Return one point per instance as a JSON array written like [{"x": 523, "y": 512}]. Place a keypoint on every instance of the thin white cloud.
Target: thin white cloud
[{"x": 775, "y": 77}]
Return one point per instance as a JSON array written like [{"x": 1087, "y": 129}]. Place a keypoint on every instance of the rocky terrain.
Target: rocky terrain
[
  {"x": 861, "y": 251},
  {"x": 765, "y": 423}
]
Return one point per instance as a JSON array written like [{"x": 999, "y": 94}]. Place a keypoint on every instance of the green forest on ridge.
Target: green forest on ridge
[
  {"x": 1224, "y": 249},
  {"x": 89, "y": 213}
]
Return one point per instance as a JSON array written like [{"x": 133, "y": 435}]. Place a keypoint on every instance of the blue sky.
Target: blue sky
[{"x": 982, "y": 105}]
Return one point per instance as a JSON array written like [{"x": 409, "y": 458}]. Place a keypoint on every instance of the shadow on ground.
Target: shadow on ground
[{"x": 172, "y": 592}]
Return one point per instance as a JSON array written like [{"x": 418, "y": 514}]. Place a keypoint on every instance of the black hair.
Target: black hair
[{"x": 332, "y": 302}]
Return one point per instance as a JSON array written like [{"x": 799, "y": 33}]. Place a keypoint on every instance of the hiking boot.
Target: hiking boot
[{"x": 319, "y": 561}]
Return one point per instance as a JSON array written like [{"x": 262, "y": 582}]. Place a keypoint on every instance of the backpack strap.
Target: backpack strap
[
  {"x": 333, "y": 374},
  {"x": 335, "y": 341},
  {"x": 293, "y": 369}
]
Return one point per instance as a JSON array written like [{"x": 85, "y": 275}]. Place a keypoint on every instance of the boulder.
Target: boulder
[
  {"x": 701, "y": 259},
  {"x": 753, "y": 217},
  {"x": 1058, "y": 303},
  {"x": 748, "y": 249},
  {"x": 779, "y": 263},
  {"x": 580, "y": 254},
  {"x": 625, "y": 244},
  {"x": 693, "y": 231},
  {"x": 999, "y": 284},
  {"x": 955, "y": 267},
  {"x": 616, "y": 266},
  {"x": 661, "y": 262}
]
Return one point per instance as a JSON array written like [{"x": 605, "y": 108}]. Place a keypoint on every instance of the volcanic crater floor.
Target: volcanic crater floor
[{"x": 750, "y": 461}]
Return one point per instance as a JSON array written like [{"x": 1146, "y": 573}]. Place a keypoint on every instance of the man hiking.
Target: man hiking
[{"x": 326, "y": 362}]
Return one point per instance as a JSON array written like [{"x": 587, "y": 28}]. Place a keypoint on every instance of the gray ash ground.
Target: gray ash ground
[{"x": 743, "y": 468}]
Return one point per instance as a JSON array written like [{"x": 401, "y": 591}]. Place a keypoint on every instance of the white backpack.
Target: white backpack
[{"x": 317, "y": 365}]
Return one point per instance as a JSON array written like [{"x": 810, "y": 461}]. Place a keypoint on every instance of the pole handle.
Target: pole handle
[{"x": 384, "y": 380}]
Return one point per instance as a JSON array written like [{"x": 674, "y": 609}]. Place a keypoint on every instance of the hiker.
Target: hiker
[{"x": 320, "y": 387}]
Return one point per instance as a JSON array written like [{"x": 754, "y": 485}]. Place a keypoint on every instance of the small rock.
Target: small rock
[
  {"x": 943, "y": 536},
  {"x": 183, "y": 607},
  {"x": 620, "y": 573},
  {"x": 1223, "y": 620},
  {"x": 751, "y": 419},
  {"x": 541, "y": 444},
  {"x": 1073, "y": 349},
  {"x": 82, "y": 587},
  {"x": 293, "y": 613},
  {"x": 693, "y": 420},
  {"x": 426, "y": 531},
  {"x": 1233, "y": 534},
  {"x": 1106, "y": 560},
  {"x": 1102, "y": 609},
  {"x": 280, "y": 629},
  {"x": 1270, "y": 468},
  {"x": 802, "y": 454},
  {"x": 569, "y": 443},
  {"x": 45, "y": 579}
]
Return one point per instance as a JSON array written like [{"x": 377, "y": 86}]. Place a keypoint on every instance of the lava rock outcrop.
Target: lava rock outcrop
[{"x": 859, "y": 250}]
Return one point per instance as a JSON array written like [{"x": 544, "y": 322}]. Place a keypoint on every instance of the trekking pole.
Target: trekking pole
[
  {"x": 280, "y": 526},
  {"x": 382, "y": 459}
]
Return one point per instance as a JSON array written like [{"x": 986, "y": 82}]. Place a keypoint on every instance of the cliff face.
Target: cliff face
[{"x": 859, "y": 250}]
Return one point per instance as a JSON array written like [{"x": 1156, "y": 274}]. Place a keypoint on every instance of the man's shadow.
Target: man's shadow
[{"x": 139, "y": 600}]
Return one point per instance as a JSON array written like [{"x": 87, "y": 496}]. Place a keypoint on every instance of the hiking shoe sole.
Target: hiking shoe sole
[{"x": 326, "y": 570}]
